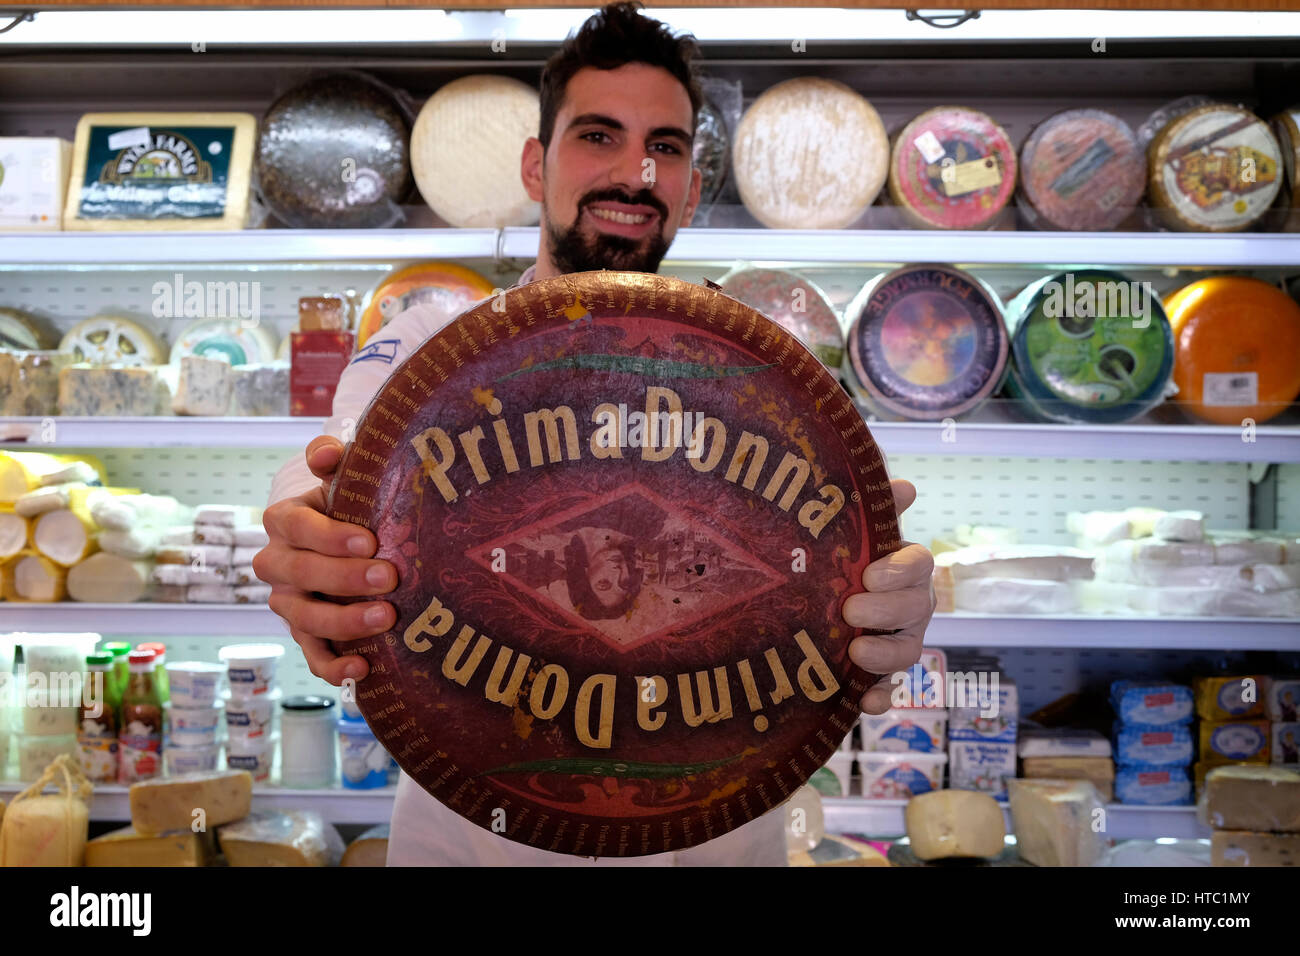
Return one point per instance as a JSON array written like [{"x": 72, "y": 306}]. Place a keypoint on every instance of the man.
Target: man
[{"x": 620, "y": 92}]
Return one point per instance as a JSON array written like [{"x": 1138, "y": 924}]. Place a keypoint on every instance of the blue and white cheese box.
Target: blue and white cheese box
[
  {"x": 1169, "y": 746},
  {"x": 1152, "y": 703},
  {"x": 992, "y": 714},
  {"x": 982, "y": 765},
  {"x": 1153, "y": 786}
]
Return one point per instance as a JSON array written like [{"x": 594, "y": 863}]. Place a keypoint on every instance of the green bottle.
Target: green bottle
[
  {"x": 121, "y": 665},
  {"x": 160, "y": 666}
]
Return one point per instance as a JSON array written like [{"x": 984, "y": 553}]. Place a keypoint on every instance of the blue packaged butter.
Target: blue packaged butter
[
  {"x": 1152, "y": 703},
  {"x": 1168, "y": 746},
  {"x": 1153, "y": 786}
]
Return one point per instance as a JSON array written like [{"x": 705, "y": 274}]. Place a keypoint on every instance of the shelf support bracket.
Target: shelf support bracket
[
  {"x": 943, "y": 21},
  {"x": 28, "y": 16}
]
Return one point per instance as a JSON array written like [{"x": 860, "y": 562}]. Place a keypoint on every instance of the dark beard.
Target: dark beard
[{"x": 572, "y": 251}]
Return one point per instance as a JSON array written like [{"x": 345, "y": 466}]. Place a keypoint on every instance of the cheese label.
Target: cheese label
[
  {"x": 1230, "y": 388},
  {"x": 929, "y": 146},
  {"x": 1081, "y": 170},
  {"x": 625, "y": 511},
  {"x": 156, "y": 173},
  {"x": 967, "y": 177}
]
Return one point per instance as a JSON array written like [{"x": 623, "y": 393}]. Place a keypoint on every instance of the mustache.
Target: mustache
[{"x": 642, "y": 198}]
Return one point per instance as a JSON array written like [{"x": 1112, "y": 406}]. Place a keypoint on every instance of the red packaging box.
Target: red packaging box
[{"x": 318, "y": 359}]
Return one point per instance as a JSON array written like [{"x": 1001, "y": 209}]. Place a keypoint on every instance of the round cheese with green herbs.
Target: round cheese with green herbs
[{"x": 626, "y": 512}]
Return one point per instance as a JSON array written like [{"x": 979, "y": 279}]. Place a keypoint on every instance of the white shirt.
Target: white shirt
[{"x": 424, "y": 832}]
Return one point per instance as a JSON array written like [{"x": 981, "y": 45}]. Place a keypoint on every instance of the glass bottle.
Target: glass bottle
[
  {"x": 140, "y": 740},
  {"x": 101, "y": 702},
  {"x": 160, "y": 667}
]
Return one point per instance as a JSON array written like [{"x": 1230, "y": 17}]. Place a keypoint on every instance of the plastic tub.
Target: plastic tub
[
  {"x": 256, "y": 756},
  {"x": 916, "y": 729},
  {"x": 195, "y": 683},
  {"x": 250, "y": 668},
  {"x": 193, "y": 726},
  {"x": 841, "y": 764},
  {"x": 50, "y": 694},
  {"x": 896, "y": 776},
  {"x": 37, "y": 753},
  {"x": 191, "y": 759},
  {"x": 252, "y": 717},
  {"x": 363, "y": 763},
  {"x": 309, "y": 755}
]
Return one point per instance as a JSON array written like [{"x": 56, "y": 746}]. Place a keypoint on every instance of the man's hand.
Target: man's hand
[
  {"x": 899, "y": 597},
  {"x": 311, "y": 552}
]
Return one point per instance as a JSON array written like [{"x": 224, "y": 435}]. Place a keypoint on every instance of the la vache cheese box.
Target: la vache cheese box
[{"x": 33, "y": 182}]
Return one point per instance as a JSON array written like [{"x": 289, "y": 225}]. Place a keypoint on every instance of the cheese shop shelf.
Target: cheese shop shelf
[
  {"x": 884, "y": 818},
  {"x": 1101, "y": 632},
  {"x": 218, "y": 620},
  {"x": 336, "y": 805},
  {"x": 159, "y": 432},
  {"x": 1046, "y": 249}
]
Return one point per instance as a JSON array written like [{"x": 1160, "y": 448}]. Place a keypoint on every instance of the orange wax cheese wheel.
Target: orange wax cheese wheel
[
  {"x": 1237, "y": 349},
  {"x": 444, "y": 285}
]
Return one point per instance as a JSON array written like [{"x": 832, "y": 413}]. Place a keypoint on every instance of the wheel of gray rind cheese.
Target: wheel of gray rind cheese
[
  {"x": 231, "y": 339},
  {"x": 333, "y": 153},
  {"x": 810, "y": 154},
  {"x": 466, "y": 148},
  {"x": 113, "y": 340},
  {"x": 23, "y": 332}
]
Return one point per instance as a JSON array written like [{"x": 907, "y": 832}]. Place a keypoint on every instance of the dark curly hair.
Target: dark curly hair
[{"x": 615, "y": 35}]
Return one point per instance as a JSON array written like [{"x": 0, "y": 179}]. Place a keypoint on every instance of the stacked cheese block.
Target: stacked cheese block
[
  {"x": 1010, "y": 578},
  {"x": 1153, "y": 742},
  {"x": 252, "y": 707},
  {"x": 1065, "y": 754},
  {"x": 983, "y": 725},
  {"x": 211, "y": 560},
  {"x": 1234, "y": 724},
  {"x": 1164, "y": 563},
  {"x": 1282, "y": 704},
  {"x": 1255, "y": 812}
]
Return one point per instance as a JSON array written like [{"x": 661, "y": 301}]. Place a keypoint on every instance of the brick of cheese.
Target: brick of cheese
[
  {"x": 125, "y": 392},
  {"x": 204, "y": 386},
  {"x": 1246, "y": 848},
  {"x": 169, "y": 804},
  {"x": 1054, "y": 821},
  {"x": 29, "y": 382},
  {"x": 260, "y": 390},
  {"x": 1254, "y": 797},
  {"x": 290, "y": 838},
  {"x": 127, "y": 847},
  {"x": 1099, "y": 770},
  {"x": 954, "y": 823},
  {"x": 369, "y": 849}
]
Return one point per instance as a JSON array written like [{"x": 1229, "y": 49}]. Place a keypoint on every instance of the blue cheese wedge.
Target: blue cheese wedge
[
  {"x": 121, "y": 392},
  {"x": 29, "y": 382},
  {"x": 260, "y": 390},
  {"x": 204, "y": 386}
]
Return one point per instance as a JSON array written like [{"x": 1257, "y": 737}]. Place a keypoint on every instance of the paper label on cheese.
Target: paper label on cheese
[
  {"x": 1219, "y": 167},
  {"x": 180, "y": 172},
  {"x": 123, "y": 139},
  {"x": 929, "y": 146},
  {"x": 1230, "y": 388},
  {"x": 967, "y": 177}
]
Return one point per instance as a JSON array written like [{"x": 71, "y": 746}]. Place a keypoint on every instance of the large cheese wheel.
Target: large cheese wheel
[
  {"x": 24, "y": 332},
  {"x": 793, "y": 303},
  {"x": 1286, "y": 127},
  {"x": 952, "y": 168},
  {"x": 113, "y": 340},
  {"x": 1238, "y": 349},
  {"x": 444, "y": 285},
  {"x": 1081, "y": 170},
  {"x": 231, "y": 339},
  {"x": 1089, "y": 346},
  {"x": 810, "y": 154},
  {"x": 561, "y": 573},
  {"x": 466, "y": 148},
  {"x": 925, "y": 343},
  {"x": 1214, "y": 169},
  {"x": 946, "y": 824},
  {"x": 332, "y": 153}
]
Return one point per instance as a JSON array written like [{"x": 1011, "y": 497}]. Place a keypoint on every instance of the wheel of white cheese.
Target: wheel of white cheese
[
  {"x": 466, "y": 148},
  {"x": 810, "y": 154},
  {"x": 25, "y": 333},
  {"x": 229, "y": 338},
  {"x": 113, "y": 340}
]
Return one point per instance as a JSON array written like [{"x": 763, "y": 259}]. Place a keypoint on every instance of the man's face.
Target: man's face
[
  {"x": 609, "y": 577},
  {"x": 617, "y": 182}
]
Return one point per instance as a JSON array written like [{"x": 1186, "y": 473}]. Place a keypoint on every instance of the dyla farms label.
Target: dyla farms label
[{"x": 626, "y": 511}]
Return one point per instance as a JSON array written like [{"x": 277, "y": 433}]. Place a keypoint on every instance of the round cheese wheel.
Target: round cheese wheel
[
  {"x": 34, "y": 578},
  {"x": 1286, "y": 127},
  {"x": 450, "y": 287},
  {"x": 1214, "y": 169},
  {"x": 810, "y": 154},
  {"x": 1238, "y": 349},
  {"x": 113, "y": 340},
  {"x": 13, "y": 534},
  {"x": 231, "y": 339},
  {"x": 925, "y": 342},
  {"x": 332, "y": 154},
  {"x": 630, "y": 643},
  {"x": 466, "y": 148},
  {"x": 23, "y": 332},
  {"x": 1165, "y": 114},
  {"x": 710, "y": 151},
  {"x": 952, "y": 168},
  {"x": 1089, "y": 346},
  {"x": 793, "y": 303},
  {"x": 1081, "y": 170}
]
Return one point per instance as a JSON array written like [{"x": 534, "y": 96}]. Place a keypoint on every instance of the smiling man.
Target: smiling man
[{"x": 611, "y": 167}]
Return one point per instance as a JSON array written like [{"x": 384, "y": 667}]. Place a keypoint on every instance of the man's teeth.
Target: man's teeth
[{"x": 622, "y": 217}]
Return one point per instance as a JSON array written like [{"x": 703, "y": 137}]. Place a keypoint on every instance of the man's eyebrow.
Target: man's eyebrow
[{"x": 600, "y": 119}]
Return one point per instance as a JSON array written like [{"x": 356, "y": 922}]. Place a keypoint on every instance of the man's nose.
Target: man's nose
[{"x": 629, "y": 170}]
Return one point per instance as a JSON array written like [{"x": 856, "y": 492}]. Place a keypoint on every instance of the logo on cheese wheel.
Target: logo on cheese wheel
[{"x": 626, "y": 512}]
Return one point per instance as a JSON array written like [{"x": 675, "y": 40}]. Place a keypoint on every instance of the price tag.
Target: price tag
[
  {"x": 1231, "y": 388},
  {"x": 968, "y": 177}
]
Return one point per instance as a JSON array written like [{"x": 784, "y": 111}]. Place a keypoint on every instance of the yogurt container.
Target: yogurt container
[
  {"x": 918, "y": 730},
  {"x": 250, "y": 668},
  {"x": 252, "y": 717},
  {"x": 37, "y": 753},
  {"x": 191, "y": 759},
  {"x": 362, "y": 761},
  {"x": 256, "y": 755},
  {"x": 899, "y": 776},
  {"x": 193, "y": 726},
  {"x": 195, "y": 683}
]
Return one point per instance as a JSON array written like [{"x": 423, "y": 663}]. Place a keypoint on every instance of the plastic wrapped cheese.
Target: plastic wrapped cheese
[
  {"x": 136, "y": 544},
  {"x": 65, "y": 536},
  {"x": 128, "y": 847},
  {"x": 1168, "y": 746},
  {"x": 227, "y": 516},
  {"x": 291, "y": 838},
  {"x": 1247, "y": 848},
  {"x": 1023, "y": 561},
  {"x": 48, "y": 829},
  {"x": 260, "y": 390},
  {"x": 196, "y": 555},
  {"x": 1100, "y": 771},
  {"x": 1180, "y": 526},
  {"x": 33, "y": 577},
  {"x": 108, "y": 578},
  {"x": 13, "y": 532},
  {"x": 23, "y": 471},
  {"x": 1237, "y": 548},
  {"x": 210, "y": 594},
  {"x": 1239, "y": 697},
  {"x": 1234, "y": 741},
  {"x": 1151, "y": 703},
  {"x": 1154, "y": 551},
  {"x": 1062, "y": 742},
  {"x": 1255, "y": 797},
  {"x": 29, "y": 382},
  {"x": 1055, "y": 821},
  {"x": 1013, "y": 596},
  {"x": 129, "y": 511},
  {"x": 170, "y": 804},
  {"x": 949, "y": 824},
  {"x": 369, "y": 849},
  {"x": 1153, "y": 786}
]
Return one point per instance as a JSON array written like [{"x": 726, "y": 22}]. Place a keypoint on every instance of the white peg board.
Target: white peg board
[{"x": 1288, "y": 497}]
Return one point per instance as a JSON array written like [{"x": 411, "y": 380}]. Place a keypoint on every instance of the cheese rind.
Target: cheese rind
[
  {"x": 954, "y": 823},
  {"x": 1054, "y": 821},
  {"x": 86, "y": 390},
  {"x": 1247, "y": 848},
  {"x": 108, "y": 578},
  {"x": 291, "y": 838},
  {"x": 1254, "y": 797},
  {"x": 128, "y": 847},
  {"x": 369, "y": 849},
  {"x": 29, "y": 382},
  {"x": 170, "y": 804}
]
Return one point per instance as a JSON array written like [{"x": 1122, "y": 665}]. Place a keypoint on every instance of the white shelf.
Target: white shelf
[
  {"x": 218, "y": 620},
  {"x": 279, "y": 246},
  {"x": 335, "y": 804},
  {"x": 884, "y": 818},
  {"x": 1098, "y": 632},
  {"x": 178, "y": 432}
]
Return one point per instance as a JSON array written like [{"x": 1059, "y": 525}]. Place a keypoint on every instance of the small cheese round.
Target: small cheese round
[
  {"x": 450, "y": 287},
  {"x": 952, "y": 168},
  {"x": 947, "y": 824},
  {"x": 1286, "y": 127},
  {"x": 1214, "y": 169},
  {"x": 466, "y": 148},
  {"x": 25, "y": 333},
  {"x": 793, "y": 303},
  {"x": 230, "y": 339},
  {"x": 1081, "y": 170},
  {"x": 113, "y": 340},
  {"x": 810, "y": 154}
]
